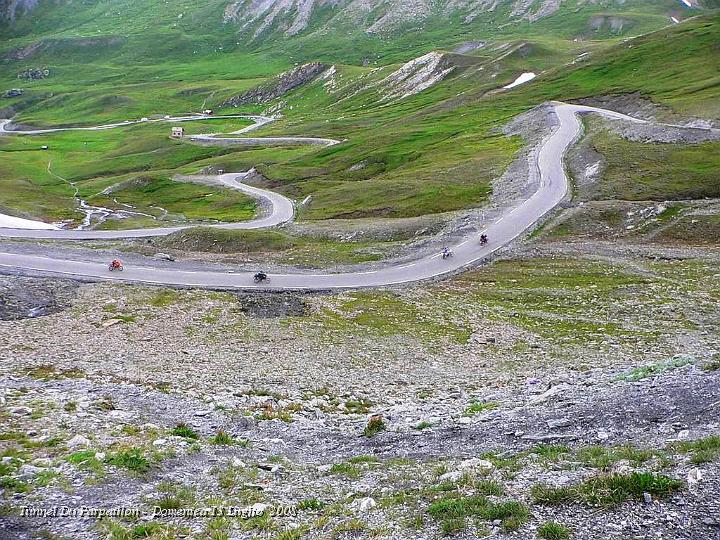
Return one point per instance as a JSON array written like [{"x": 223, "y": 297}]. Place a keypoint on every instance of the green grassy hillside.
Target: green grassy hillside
[
  {"x": 135, "y": 57},
  {"x": 432, "y": 152},
  {"x": 421, "y": 154}
]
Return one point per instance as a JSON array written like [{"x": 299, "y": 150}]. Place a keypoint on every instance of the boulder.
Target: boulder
[
  {"x": 34, "y": 74},
  {"x": 78, "y": 441},
  {"x": 477, "y": 464},
  {"x": 29, "y": 471},
  {"x": 14, "y": 92},
  {"x": 164, "y": 257},
  {"x": 364, "y": 505},
  {"x": 452, "y": 476}
]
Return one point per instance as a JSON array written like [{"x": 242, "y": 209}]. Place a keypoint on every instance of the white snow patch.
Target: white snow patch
[
  {"x": 675, "y": 20},
  {"x": 10, "y": 222},
  {"x": 688, "y": 3},
  {"x": 522, "y": 79}
]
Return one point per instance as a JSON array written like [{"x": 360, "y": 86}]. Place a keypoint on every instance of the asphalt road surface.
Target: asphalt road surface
[{"x": 552, "y": 190}]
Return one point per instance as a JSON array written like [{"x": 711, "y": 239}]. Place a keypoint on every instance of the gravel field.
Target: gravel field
[{"x": 490, "y": 404}]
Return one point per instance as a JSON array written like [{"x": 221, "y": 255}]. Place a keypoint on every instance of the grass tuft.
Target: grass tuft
[
  {"x": 183, "y": 430},
  {"x": 131, "y": 459},
  {"x": 553, "y": 531},
  {"x": 452, "y": 512},
  {"x": 607, "y": 490},
  {"x": 478, "y": 407},
  {"x": 375, "y": 425},
  {"x": 222, "y": 438},
  {"x": 704, "y": 450}
]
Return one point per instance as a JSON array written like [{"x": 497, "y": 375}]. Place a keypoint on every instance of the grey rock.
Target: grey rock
[
  {"x": 279, "y": 86},
  {"x": 452, "y": 476},
  {"x": 559, "y": 423},
  {"x": 364, "y": 505},
  {"x": 164, "y": 257},
  {"x": 29, "y": 471},
  {"x": 14, "y": 92},
  {"x": 78, "y": 441}
]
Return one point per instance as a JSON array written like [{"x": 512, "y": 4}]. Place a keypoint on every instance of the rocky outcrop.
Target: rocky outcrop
[
  {"x": 417, "y": 75},
  {"x": 34, "y": 74},
  {"x": 614, "y": 25},
  {"x": 278, "y": 86},
  {"x": 53, "y": 45},
  {"x": 291, "y": 17},
  {"x": 14, "y": 92},
  {"x": 10, "y": 9}
]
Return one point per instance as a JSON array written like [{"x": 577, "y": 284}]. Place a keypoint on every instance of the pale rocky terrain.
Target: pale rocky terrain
[
  {"x": 567, "y": 362},
  {"x": 9, "y": 9},
  {"x": 377, "y": 16}
]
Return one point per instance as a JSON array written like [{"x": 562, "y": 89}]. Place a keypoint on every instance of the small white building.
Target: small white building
[{"x": 178, "y": 132}]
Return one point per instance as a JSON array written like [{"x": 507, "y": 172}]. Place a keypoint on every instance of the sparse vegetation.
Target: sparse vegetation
[
  {"x": 312, "y": 505},
  {"x": 87, "y": 460},
  {"x": 607, "y": 490},
  {"x": 164, "y": 298},
  {"x": 702, "y": 450},
  {"x": 651, "y": 370},
  {"x": 185, "y": 431},
  {"x": 358, "y": 406},
  {"x": 713, "y": 365},
  {"x": 173, "y": 497},
  {"x": 223, "y": 439},
  {"x": 293, "y": 534},
  {"x": 479, "y": 407},
  {"x": 452, "y": 511},
  {"x": 553, "y": 531},
  {"x": 131, "y": 459},
  {"x": 375, "y": 425}
]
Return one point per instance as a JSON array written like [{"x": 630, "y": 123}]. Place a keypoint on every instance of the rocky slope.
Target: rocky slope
[
  {"x": 379, "y": 16},
  {"x": 257, "y": 18},
  {"x": 511, "y": 387},
  {"x": 279, "y": 86},
  {"x": 9, "y": 9}
]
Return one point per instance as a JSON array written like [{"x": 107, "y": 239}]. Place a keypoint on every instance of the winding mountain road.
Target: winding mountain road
[{"x": 552, "y": 189}]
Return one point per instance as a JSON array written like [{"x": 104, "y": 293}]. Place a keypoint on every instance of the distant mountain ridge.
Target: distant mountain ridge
[
  {"x": 293, "y": 17},
  {"x": 358, "y": 32},
  {"x": 378, "y": 16}
]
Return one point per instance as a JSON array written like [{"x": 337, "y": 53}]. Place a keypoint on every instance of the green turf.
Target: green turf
[
  {"x": 640, "y": 171},
  {"x": 431, "y": 153}
]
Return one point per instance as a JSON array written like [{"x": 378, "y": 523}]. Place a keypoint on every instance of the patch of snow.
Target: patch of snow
[
  {"x": 11, "y": 222},
  {"x": 688, "y": 3},
  {"x": 522, "y": 79},
  {"x": 674, "y": 19}
]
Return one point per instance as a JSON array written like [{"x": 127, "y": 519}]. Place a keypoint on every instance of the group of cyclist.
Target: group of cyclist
[
  {"x": 261, "y": 277},
  {"x": 447, "y": 252}
]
